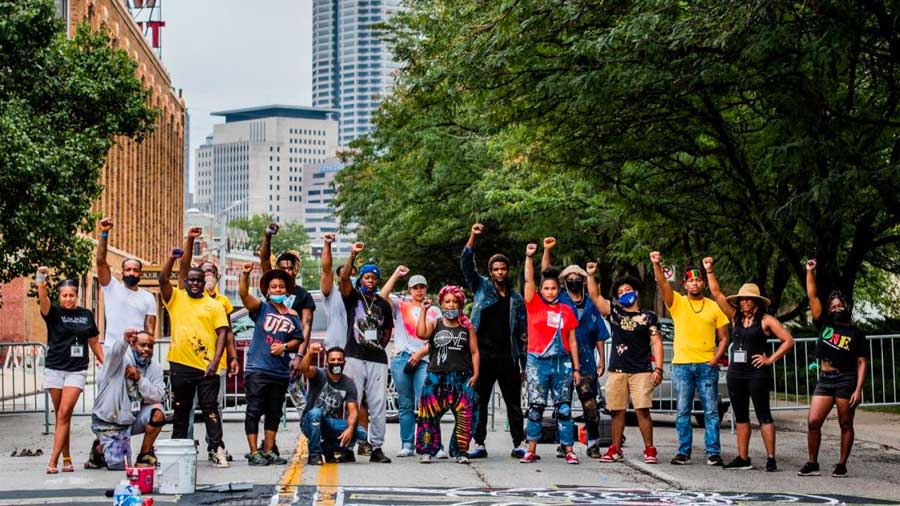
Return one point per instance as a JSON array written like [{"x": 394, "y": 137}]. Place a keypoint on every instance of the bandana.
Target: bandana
[
  {"x": 367, "y": 268},
  {"x": 460, "y": 297},
  {"x": 692, "y": 274}
]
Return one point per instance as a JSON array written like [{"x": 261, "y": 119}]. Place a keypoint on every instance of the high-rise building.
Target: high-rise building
[
  {"x": 319, "y": 219},
  {"x": 352, "y": 67},
  {"x": 253, "y": 163}
]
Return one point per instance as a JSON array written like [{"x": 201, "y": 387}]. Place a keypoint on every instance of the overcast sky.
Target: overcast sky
[{"x": 227, "y": 54}]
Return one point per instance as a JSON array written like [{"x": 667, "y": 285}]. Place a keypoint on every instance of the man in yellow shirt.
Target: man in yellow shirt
[
  {"x": 199, "y": 325},
  {"x": 701, "y": 339}
]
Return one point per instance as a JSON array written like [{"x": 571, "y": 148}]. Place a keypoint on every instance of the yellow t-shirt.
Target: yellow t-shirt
[
  {"x": 194, "y": 324},
  {"x": 695, "y": 329},
  {"x": 229, "y": 308}
]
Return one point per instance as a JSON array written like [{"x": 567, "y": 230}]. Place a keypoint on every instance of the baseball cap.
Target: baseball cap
[{"x": 418, "y": 279}]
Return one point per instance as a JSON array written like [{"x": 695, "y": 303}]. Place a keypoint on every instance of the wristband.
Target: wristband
[
  {"x": 40, "y": 277},
  {"x": 104, "y": 234},
  {"x": 659, "y": 370}
]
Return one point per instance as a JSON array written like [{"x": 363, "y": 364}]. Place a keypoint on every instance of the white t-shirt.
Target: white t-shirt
[
  {"x": 336, "y": 313},
  {"x": 406, "y": 315},
  {"x": 125, "y": 308}
]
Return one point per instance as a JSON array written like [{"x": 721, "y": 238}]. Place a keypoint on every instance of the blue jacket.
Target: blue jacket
[
  {"x": 591, "y": 329},
  {"x": 485, "y": 295}
]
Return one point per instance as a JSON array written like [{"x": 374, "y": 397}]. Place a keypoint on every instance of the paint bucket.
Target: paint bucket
[
  {"x": 141, "y": 478},
  {"x": 177, "y": 466}
]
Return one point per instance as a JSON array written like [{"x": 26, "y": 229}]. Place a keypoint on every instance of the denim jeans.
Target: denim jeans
[
  {"x": 323, "y": 433},
  {"x": 550, "y": 380},
  {"x": 409, "y": 389},
  {"x": 705, "y": 380}
]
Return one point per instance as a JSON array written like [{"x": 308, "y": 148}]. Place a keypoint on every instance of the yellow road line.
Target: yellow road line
[
  {"x": 287, "y": 487},
  {"x": 327, "y": 483}
]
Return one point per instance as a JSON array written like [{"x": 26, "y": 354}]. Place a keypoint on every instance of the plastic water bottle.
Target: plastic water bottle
[{"x": 123, "y": 493}]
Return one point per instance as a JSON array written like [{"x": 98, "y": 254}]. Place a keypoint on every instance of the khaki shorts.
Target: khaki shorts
[{"x": 619, "y": 385}]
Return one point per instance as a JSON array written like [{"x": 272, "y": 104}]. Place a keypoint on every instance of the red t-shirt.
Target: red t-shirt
[{"x": 543, "y": 322}]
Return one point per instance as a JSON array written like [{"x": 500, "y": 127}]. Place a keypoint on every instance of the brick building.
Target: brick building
[{"x": 134, "y": 177}]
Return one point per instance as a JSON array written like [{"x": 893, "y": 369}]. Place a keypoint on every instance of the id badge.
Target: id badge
[
  {"x": 371, "y": 335},
  {"x": 135, "y": 406},
  {"x": 77, "y": 351},
  {"x": 740, "y": 357}
]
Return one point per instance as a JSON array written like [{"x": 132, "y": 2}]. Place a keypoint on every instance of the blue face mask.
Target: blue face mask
[
  {"x": 140, "y": 359},
  {"x": 627, "y": 299},
  {"x": 278, "y": 299},
  {"x": 450, "y": 314},
  {"x": 368, "y": 292}
]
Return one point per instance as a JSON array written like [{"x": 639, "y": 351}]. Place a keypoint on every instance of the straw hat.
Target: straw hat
[{"x": 749, "y": 291}]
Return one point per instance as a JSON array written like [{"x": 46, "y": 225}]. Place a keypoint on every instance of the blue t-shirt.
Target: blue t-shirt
[
  {"x": 591, "y": 330},
  {"x": 272, "y": 327}
]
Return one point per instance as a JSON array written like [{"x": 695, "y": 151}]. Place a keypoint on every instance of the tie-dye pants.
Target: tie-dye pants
[{"x": 444, "y": 391}]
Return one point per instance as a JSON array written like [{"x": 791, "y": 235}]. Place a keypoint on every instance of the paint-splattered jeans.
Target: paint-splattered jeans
[{"x": 549, "y": 380}]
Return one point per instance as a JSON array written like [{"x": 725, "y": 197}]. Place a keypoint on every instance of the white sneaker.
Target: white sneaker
[
  {"x": 426, "y": 459},
  {"x": 441, "y": 454},
  {"x": 462, "y": 459},
  {"x": 220, "y": 458},
  {"x": 406, "y": 452}
]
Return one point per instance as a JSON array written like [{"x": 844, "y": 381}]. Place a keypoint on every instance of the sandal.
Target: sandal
[
  {"x": 52, "y": 470},
  {"x": 67, "y": 465}
]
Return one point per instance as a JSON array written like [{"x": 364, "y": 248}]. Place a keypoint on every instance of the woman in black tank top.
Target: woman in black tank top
[{"x": 749, "y": 374}]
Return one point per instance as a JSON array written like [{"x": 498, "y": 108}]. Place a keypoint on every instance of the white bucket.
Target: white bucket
[{"x": 177, "y": 466}]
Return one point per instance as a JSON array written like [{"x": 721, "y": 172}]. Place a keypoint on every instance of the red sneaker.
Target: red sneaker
[
  {"x": 571, "y": 458},
  {"x": 650, "y": 456},
  {"x": 529, "y": 458},
  {"x": 613, "y": 454}
]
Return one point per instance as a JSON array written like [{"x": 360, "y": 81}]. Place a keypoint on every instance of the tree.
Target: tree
[
  {"x": 290, "y": 236},
  {"x": 761, "y": 133},
  {"x": 62, "y": 104}
]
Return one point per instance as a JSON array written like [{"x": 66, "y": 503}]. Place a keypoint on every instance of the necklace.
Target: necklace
[
  {"x": 365, "y": 303},
  {"x": 692, "y": 305}
]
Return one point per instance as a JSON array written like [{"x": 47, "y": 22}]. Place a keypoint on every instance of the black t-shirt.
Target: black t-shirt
[
  {"x": 449, "y": 349},
  {"x": 329, "y": 396},
  {"x": 367, "y": 319},
  {"x": 751, "y": 340},
  {"x": 631, "y": 331},
  {"x": 68, "y": 331},
  {"x": 302, "y": 300},
  {"x": 840, "y": 345},
  {"x": 493, "y": 329}
]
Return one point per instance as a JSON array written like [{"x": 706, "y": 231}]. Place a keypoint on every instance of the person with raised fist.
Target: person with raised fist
[
  {"x": 701, "y": 340},
  {"x": 124, "y": 304},
  {"x": 498, "y": 317},
  {"x": 299, "y": 299},
  {"x": 369, "y": 326},
  {"x": 199, "y": 327},
  {"x": 335, "y": 312}
]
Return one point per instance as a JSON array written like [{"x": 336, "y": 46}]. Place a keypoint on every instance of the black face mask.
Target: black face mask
[
  {"x": 840, "y": 316},
  {"x": 575, "y": 286},
  {"x": 336, "y": 369},
  {"x": 131, "y": 281}
]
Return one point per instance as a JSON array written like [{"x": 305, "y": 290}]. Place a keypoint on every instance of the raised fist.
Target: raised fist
[
  {"x": 329, "y": 238},
  {"x": 106, "y": 224},
  {"x": 477, "y": 229},
  {"x": 708, "y": 264},
  {"x": 811, "y": 264},
  {"x": 656, "y": 258},
  {"x": 195, "y": 232},
  {"x": 401, "y": 270},
  {"x": 530, "y": 249},
  {"x": 591, "y": 268},
  {"x": 247, "y": 267},
  {"x": 315, "y": 348},
  {"x": 44, "y": 270},
  {"x": 177, "y": 252},
  {"x": 272, "y": 229},
  {"x": 358, "y": 247},
  {"x": 549, "y": 242}
]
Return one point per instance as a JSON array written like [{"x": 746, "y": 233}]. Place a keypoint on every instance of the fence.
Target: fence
[{"x": 22, "y": 378}]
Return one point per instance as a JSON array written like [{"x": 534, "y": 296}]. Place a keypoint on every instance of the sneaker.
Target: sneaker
[
  {"x": 345, "y": 455},
  {"x": 258, "y": 458},
  {"x": 480, "y": 452},
  {"x": 771, "y": 466},
  {"x": 681, "y": 460},
  {"x": 405, "y": 452},
  {"x": 839, "y": 471},
  {"x": 220, "y": 459},
  {"x": 739, "y": 464},
  {"x": 650, "y": 456},
  {"x": 462, "y": 459},
  {"x": 613, "y": 454},
  {"x": 441, "y": 454},
  {"x": 379, "y": 457},
  {"x": 560, "y": 452},
  {"x": 275, "y": 459},
  {"x": 314, "y": 460},
  {"x": 594, "y": 451},
  {"x": 328, "y": 455},
  {"x": 516, "y": 453},
  {"x": 364, "y": 450},
  {"x": 528, "y": 458},
  {"x": 571, "y": 458},
  {"x": 715, "y": 460},
  {"x": 426, "y": 459},
  {"x": 146, "y": 459},
  {"x": 210, "y": 455},
  {"x": 809, "y": 469}
]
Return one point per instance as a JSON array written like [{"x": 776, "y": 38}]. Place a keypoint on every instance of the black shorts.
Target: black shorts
[{"x": 840, "y": 385}]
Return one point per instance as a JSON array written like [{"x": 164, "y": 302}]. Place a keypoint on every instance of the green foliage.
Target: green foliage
[
  {"x": 62, "y": 103},
  {"x": 290, "y": 236},
  {"x": 760, "y": 133}
]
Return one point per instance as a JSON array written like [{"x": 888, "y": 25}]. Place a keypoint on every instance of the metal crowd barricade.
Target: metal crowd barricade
[{"x": 22, "y": 378}]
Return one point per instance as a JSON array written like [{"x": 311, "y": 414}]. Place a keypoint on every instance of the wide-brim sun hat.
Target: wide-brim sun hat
[
  {"x": 276, "y": 274},
  {"x": 748, "y": 291},
  {"x": 572, "y": 269}
]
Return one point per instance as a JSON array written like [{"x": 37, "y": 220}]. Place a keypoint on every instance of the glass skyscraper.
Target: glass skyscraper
[{"x": 352, "y": 68}]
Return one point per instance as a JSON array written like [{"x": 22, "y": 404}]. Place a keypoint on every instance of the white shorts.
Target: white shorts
[{"x": 54, "y": 378}]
